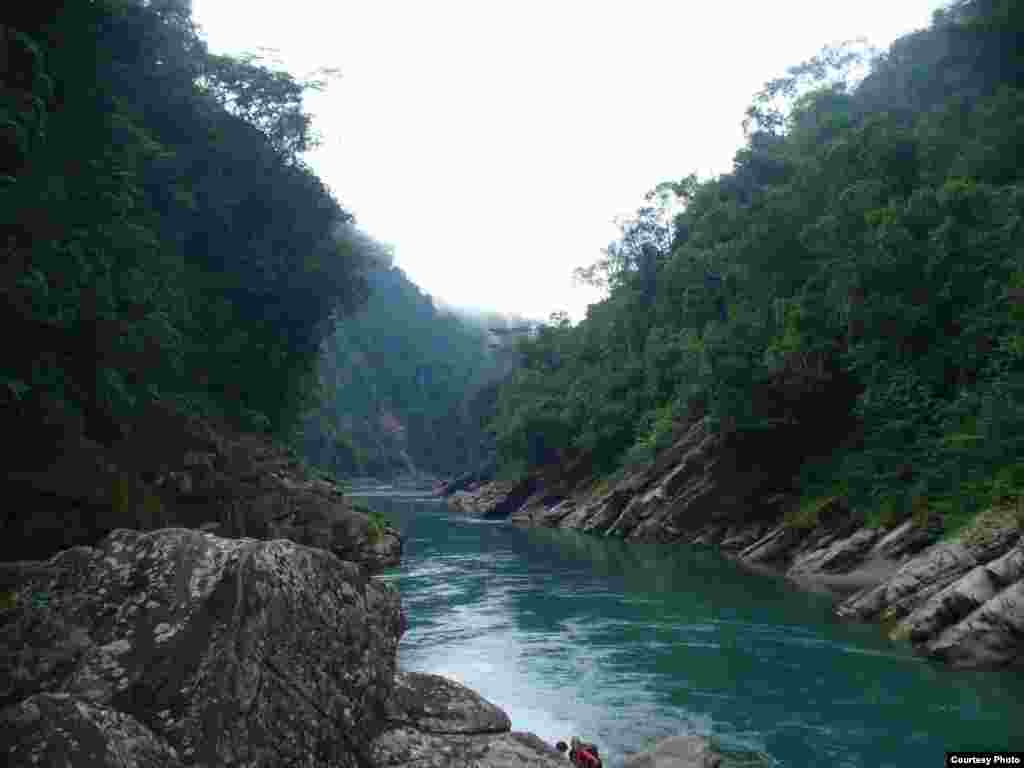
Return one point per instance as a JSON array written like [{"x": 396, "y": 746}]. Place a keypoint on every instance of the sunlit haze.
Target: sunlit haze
[{"x": 493, "y": 143}]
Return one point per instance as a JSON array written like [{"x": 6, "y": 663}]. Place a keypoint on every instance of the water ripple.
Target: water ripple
[{"x": 575, "y": 635}]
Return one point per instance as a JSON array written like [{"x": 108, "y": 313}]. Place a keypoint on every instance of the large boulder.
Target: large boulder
[
  {"x": 308, "y": 513},
  {"x": 693, "y": 751},
  {"x": 436, "y": 704},
  {"x": 228, "y": 651},
  {"x": 676, "y": 752},
  {"x": 412, "y": 748},
  {"x": 434, "y": 722}
]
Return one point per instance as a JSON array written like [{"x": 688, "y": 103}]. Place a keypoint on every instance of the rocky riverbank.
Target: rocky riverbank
[
  {"x": 959, "y": 600},
  {"x": 177, "y": 647},
  {"x": 211, "y": 603}
]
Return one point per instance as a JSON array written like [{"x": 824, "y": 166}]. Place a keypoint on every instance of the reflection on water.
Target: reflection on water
[{"x": 624, "y": 644}]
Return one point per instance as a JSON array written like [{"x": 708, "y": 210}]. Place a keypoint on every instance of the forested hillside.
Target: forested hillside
[
  {"x": 405, "y": 387},
  {"x": 846, "y": 303},
  {"x": 162, "y": 237}
]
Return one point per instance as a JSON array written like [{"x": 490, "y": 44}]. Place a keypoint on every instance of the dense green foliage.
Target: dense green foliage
[
  {"x": 162, "y": 237},
  {"x": 402, "y": 383},
  {"x": 852, "y": 293}
]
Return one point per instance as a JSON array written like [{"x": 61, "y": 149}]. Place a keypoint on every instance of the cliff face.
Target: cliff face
[
  {"x": 959, "y": 600},
  {"x": 181, "y": 471}
]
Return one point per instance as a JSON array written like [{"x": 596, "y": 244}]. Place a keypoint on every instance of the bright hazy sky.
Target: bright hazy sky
[{"x": 491, "y": 143}]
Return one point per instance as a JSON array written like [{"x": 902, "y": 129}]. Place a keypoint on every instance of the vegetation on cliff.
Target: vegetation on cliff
[
  {"x": 846, "y": 303},
  {"x": 162, "y": 237},
  {"x": 404, "y": 383}
]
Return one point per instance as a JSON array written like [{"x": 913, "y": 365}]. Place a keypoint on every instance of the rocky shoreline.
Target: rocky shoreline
[
  {"x": 211, "y": 603},
  {"x": 960, "y": 601},
  {"x": 177, "y": 647}
]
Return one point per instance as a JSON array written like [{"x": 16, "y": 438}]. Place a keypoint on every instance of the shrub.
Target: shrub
[
  {"x": 377, "y": 524},
  {"x": 511, "y": 471},
  {"x": 1008, "y": 484},
  {"x": 806, "y": 515},
  {"x": 360, "y": 506},
  {"x": 890, "y": 513},
  {"x": 920, "y": 510}
]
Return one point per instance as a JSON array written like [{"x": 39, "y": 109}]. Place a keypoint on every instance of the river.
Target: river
[{"x": 622, "y": 644}]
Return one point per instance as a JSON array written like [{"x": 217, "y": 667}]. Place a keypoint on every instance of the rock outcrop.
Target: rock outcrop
[
  {"x": 958, "y": 600},
  {"x": 434, "y": 722},
  {"x": 196, "y": 473},
  {"x": 178, "y": 647},
  {"x": 483, "y": 474},
  {"x": 677, "y": 752},
  {"x": 494, "y": 499},
  {"x": 693, "y": 751},
  {"x": 961, "y": 601},
  {"x": 696, "y": 482}
]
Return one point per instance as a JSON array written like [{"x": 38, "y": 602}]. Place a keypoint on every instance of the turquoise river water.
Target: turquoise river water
[{"x": 623, "y": 644}]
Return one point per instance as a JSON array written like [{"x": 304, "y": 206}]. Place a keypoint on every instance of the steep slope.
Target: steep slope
[
  {"x": 844, "y": 306},
  {"x": 399, "y": 381}
]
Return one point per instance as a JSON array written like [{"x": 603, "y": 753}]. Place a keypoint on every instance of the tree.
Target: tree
[
  {"x": 856, "y": 272},
  {"x": 164, "y": 239}
]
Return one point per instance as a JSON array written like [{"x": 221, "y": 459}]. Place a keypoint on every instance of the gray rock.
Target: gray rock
[
  {"x": 963, "y": 597},
  {"x": 551, "y": 517},
  {"x": 742, "y": 536},
  {"x": 708, "y": 535},
  {"x": 919, "y": 579},
  {"x": 638, "y": 508},
  {"x": 905, "y": 539},
  {"x": 606, "y": 511},
  {"x": 991, "y": 636},
  {"x": 434, "y": 722},
  {"x": 516, "y": 749},
  {"x": 435, "y": 704},
  {"x": 690, "y": 484},
  {"x": 774, "y": 545},
  {"x": 482, "y": 500},
  {"x": 676, "y": 752},
  {"x": 232, "y": 651},
  {"x": 410, "y": 747},
  {"x": 59, "y": 729},
  {"x": 839, "y": 557},
  {"x": 976, "y": 621},
  {"x": 543, "y": 510},
  {"x": 582, "y": 512},
  {"x": 308, "y": 513}
]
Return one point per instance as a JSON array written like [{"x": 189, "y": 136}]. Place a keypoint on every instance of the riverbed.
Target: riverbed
[{"x": 622, "y": 644}]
